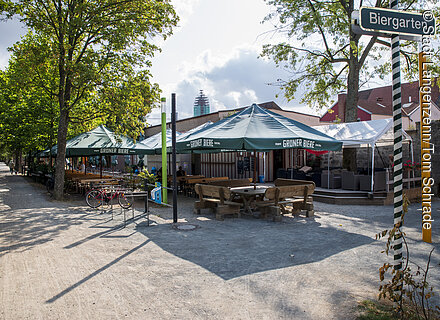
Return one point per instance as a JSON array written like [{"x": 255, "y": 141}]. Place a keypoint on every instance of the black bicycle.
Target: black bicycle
[{"x": 50, "y": 184}]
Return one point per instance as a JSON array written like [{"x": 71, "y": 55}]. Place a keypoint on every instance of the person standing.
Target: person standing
[
  {"x": 11, "y": 166},
  {"x": 181, "y": 172}
]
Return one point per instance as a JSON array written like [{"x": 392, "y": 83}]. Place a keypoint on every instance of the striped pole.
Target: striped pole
[{"x": 397, "y": 172}]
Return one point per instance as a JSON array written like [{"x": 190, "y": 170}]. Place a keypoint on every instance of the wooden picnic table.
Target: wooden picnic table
[
  {"x": 249, "y": 195},
  {"x": 188, "y": 182},
  {"x": 91, "y": 180},
  {"x": 82, "y": 184}
]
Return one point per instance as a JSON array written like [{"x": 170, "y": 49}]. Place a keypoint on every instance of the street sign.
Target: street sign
[
  {"x": 357, "y": 30},
  {"x": 397, "y": 21}
]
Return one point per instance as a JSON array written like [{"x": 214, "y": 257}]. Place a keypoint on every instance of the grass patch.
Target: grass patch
[
  {"x": 384, "y": 310},
  {"x": 374, "y": 310}
]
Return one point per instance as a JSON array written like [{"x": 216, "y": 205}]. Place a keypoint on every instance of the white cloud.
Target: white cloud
[
  {"x": 184, "y": 9},
  {"x": 230, "y": 81},
  {"x": 10, "y": 33}
]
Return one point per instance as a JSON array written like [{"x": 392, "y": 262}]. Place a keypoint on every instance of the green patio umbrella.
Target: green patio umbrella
[
  {"x": 257, "y": 129},
  {"x": 99, "y": 141},
  {"x": 153, "y": 144},
  {"x": 43, "y": 154}
]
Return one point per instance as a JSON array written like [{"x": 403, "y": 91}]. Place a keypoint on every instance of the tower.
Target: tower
[{"x": 201, "y": 105}]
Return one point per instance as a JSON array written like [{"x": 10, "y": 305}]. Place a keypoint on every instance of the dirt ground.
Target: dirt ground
[{"x": 63, "y": 260}]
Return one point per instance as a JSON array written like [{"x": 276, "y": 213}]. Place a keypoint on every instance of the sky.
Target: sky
[{"x": 214, "y": 48}]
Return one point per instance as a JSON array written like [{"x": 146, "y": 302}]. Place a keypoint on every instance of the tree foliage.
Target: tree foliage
[
  {"x": 324, "y": 54},
  {"x": 28, "y": 114},
  {"x": 101, "y": 52}
]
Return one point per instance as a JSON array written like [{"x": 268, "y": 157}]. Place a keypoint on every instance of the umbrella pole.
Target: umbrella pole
[
  {"x": 412, "y": 173},
  {"x": 328, "y": 171},
  {"x": 210, "y": 166},
  {"x": 255, "y": 169},
  {"x": 372, "y": 168},
  {"x": 264, "y": 165},
  {"x": 100, "y": 166},
  {"x": 291, "y": 162}
]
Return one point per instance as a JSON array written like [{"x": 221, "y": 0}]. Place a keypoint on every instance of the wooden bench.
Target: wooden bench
[
  {"x": 278, "y": 198},
  {"x": 307, "y": 203},
  {"x": 233, "y": 183},
  {"x": 292, "y": 182},
  {"x": 37, "y": 176},
  {"x": 215, "y": 198},
  {"x": 185, "y": 187},
  {"x": 190, "y": 183}
]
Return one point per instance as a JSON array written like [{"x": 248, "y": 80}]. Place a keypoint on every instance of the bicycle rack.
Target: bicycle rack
[
  {"x": 129, "y": 192},
  {"x": 146, "y": 212}
]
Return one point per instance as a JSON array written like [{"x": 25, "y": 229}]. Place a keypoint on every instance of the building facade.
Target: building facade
[
  {"x": 237, "y": 164},
  {"x": 377, "y": 103}
]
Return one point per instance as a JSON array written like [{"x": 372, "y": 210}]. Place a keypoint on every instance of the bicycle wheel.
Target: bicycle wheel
[
  {"x": 123, "y": 201},
  {"x": 94, "y": 198}
]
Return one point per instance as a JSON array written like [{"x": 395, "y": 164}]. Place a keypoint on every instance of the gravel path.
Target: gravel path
[{"x": 62, "y": 260}]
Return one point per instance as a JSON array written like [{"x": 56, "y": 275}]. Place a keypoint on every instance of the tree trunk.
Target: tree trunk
[
  {"x": 62, "y": 125},
  {"x": 62, "y": 139},
  {"x": 61, "y": 155},
  {"x": 349, "y": 159},
  {"x": 352, "y": 92}
]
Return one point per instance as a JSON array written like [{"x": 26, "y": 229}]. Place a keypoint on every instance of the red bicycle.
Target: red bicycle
[{"x": 96, "y": 197}]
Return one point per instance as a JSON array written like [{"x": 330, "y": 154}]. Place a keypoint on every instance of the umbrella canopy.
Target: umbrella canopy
[
  {"x": 182, "y": 136},
  {"x": 186, "y": 134},
  {"x": 98, "y": 141},
  {"x": 362, "y": 132},
  {"x": 256, "y": 128},
  {"x": 43, "y": 154},
  {"x": 153, "y": 144}
]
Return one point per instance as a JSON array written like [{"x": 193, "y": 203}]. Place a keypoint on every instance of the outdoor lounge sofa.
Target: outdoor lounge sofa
[
  {"x": 335, "y": 179},
  {"x": 380, "y": 181},
  {"x": 350, "y": 180}
]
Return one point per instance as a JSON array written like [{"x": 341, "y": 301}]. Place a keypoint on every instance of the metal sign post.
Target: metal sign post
[
  {"x": 173, "y": 139},
  {"x": 164, "y": 150},
  {"x": 397, "y": 169},
  {"x": 413, "y": 26}
]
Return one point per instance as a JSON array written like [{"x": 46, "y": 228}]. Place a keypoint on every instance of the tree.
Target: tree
[
  {"x": 27, "y": 114},
  {"x": 329, "y": 55},
  {"x": 100, "y": 49}
]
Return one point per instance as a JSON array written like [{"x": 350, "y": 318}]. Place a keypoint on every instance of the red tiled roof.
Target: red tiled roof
[{"x": 379, "y": 100}]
